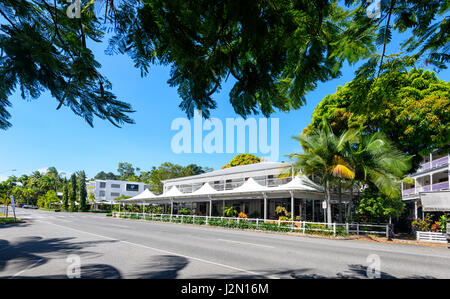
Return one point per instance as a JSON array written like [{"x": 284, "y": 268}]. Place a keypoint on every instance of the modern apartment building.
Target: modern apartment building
[
  {"x": 433, "y": 176},
  {"x": 107, "y": 190}
]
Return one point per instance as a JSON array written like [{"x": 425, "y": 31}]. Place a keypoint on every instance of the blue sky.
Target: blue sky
[{"x": 41, "y": 136}]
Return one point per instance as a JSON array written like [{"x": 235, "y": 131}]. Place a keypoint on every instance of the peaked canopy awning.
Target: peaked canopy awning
[
  {"x": 146, "y": 194},
  {"x": 300, "y": 183},
  {"x": 206, "y": 189},
  {"x": 249, "y": 186}
]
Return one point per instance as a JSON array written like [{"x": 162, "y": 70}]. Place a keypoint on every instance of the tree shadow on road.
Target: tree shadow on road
[
  {"x": 162, "y": 267},
  {"x": 354, "y": 271},
  {"x": 31, "y": 252}
]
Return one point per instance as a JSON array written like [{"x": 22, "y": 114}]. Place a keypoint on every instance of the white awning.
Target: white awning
[
  {"x": 249, "y": 186},
  {"x": 206, "y": 189},
  {"x": 436, "y": 201},
  {"x": 300, "y": 183}
]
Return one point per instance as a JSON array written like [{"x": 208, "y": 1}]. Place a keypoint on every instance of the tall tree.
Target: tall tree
[
  {"x": 275, "y": 51},
  {"x": 242, "y": 159},
  {"x": 126, "y": 171},
  {"x": 73, "y": 192},
  {"x": 412, "y": 108},
  {"x": 82, "y": 191},
  {"x": 323, "y": 155},
  {"x": 65, "y": 197}
]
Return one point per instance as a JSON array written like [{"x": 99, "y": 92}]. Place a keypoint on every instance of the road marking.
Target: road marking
[
  {"x": 27, "y": 268},
  {"x": 246, "y": 243},
  {"x": 170, "y": 252}
]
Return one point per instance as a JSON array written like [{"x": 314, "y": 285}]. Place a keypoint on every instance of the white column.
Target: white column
[
  {"x": 210, "y": 207},
  {"x": 292, "y": 205},
  {"x": 265, "y": 206},
  {"x": 171, "y": 207},
  {"x": 431, "y": 182}
]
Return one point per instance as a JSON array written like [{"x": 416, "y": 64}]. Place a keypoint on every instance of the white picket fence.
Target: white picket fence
[
  {"x": 302, "y": 226},
  {"x": 431, "y": 237}
]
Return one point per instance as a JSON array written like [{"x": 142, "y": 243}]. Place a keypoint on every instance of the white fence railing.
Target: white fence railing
[
  {"x": 431, "y": 237},
  {"x": 269, "y": 224}
]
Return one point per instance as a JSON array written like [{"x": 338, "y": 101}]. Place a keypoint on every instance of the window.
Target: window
[
  {"x": 116, "y": 186},
  {"x": 101, "y": 193},
  {"x": 132, "y": 187},
  {"x": 102, "y": 185},
  {"x": 115, "y": 194}
]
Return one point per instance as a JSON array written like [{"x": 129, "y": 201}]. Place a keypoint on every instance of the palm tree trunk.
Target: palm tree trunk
[
  {"x": 328, "y": 203},
  {"x": 340, "y": 201},
  {"x": 350, "y": 203}
]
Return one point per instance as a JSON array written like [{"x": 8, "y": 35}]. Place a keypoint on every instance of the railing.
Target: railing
[
  {"x": 439, "y": 162},
  {"x": 407, "y": 192},
  {"x": 431, "y": 237},
  {"x": 269, "y": 224},
  {"x": 433, "y": 164},
  {"x": 434, "y": 187},
  {"x": 223, "y": 185}
]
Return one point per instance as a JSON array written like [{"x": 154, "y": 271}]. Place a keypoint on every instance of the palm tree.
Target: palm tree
[
  {"x": 351, "y": 158},
  {"x": 377, "y": 161},
  {"x": 323, "y": 155}
]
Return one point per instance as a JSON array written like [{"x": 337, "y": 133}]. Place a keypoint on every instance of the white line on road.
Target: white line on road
[
  {"x": 170, "y": 252},
  {"x": 27, "y": 268},
  {"x": 246, "y": 243}
]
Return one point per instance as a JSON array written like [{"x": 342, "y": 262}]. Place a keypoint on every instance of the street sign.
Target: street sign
[
  {"x": 13, "y": 207},
  {"x": 324, "y": 204}
]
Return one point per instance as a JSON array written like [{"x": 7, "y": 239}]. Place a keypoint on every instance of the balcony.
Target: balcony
[
  {"x": 434, "y": 187},
  {"x": 433, "y": 164}
]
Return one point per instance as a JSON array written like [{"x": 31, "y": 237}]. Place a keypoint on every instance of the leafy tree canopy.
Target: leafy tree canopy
[
  {"x": 169, "y": 170},
  {"x": 276, "y": 51},
  {"x": 411, "y": 107},
  {"x": 242, "y": 159}
]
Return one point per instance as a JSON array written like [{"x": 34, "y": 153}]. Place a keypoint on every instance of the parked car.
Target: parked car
[{"x": 29, "y": 207}]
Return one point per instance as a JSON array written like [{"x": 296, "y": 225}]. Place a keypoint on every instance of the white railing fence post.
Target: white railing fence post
[{"x": 334, "y": 229}]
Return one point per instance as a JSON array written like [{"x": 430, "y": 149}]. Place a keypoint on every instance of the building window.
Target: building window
[
  {"x": 132, "y": 187},
  {"x": 115, "y": 194},
  {"x": 116, "y": 186},
  {"x": 101, "y": 193},
  {"x": 102, "y": 185}
]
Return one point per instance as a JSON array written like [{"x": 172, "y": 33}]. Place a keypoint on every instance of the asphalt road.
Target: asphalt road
[{"x": 51, "y": 245}]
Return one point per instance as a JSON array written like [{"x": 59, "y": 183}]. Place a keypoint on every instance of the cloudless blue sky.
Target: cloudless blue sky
[{"x": 41, "y": 136}]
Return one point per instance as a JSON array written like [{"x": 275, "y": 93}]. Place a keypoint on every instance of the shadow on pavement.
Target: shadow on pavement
[
  {"x": 162, "y": 267},
  {"x": 29, "y": 252}
]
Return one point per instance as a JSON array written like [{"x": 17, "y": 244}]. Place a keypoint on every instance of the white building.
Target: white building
[
  {"x": 254, "y": 189},
  {"x": 107, "y": 190},
  {"x": 432, "y": 177}
]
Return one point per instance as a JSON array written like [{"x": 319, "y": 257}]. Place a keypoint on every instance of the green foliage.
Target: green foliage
[
  {"x": 44, "y": 50},
  {"x": 230, "y": 211},
  {"x": 378, "y": 209},
  {"x": 82, "y": 192},
  {"x": 242, "y": 159},
  {"x": 443, "y": 220},
  {"x": 46, "y": 201},
  {"x": 411, "y": 107},
  {"x": 184, "y": 211},
  {"x": 169, "y": 170},
  {"x": 73, "y": 192},
  {"x": 65, "y": 197},
  {"x": 276, "y": 51},
  {"x": 106, "y": 176}
]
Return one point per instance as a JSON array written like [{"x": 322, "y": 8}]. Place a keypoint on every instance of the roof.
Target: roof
[
  {"x": 298, "y": 184},
  {"x": 233, "y": 170}
]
